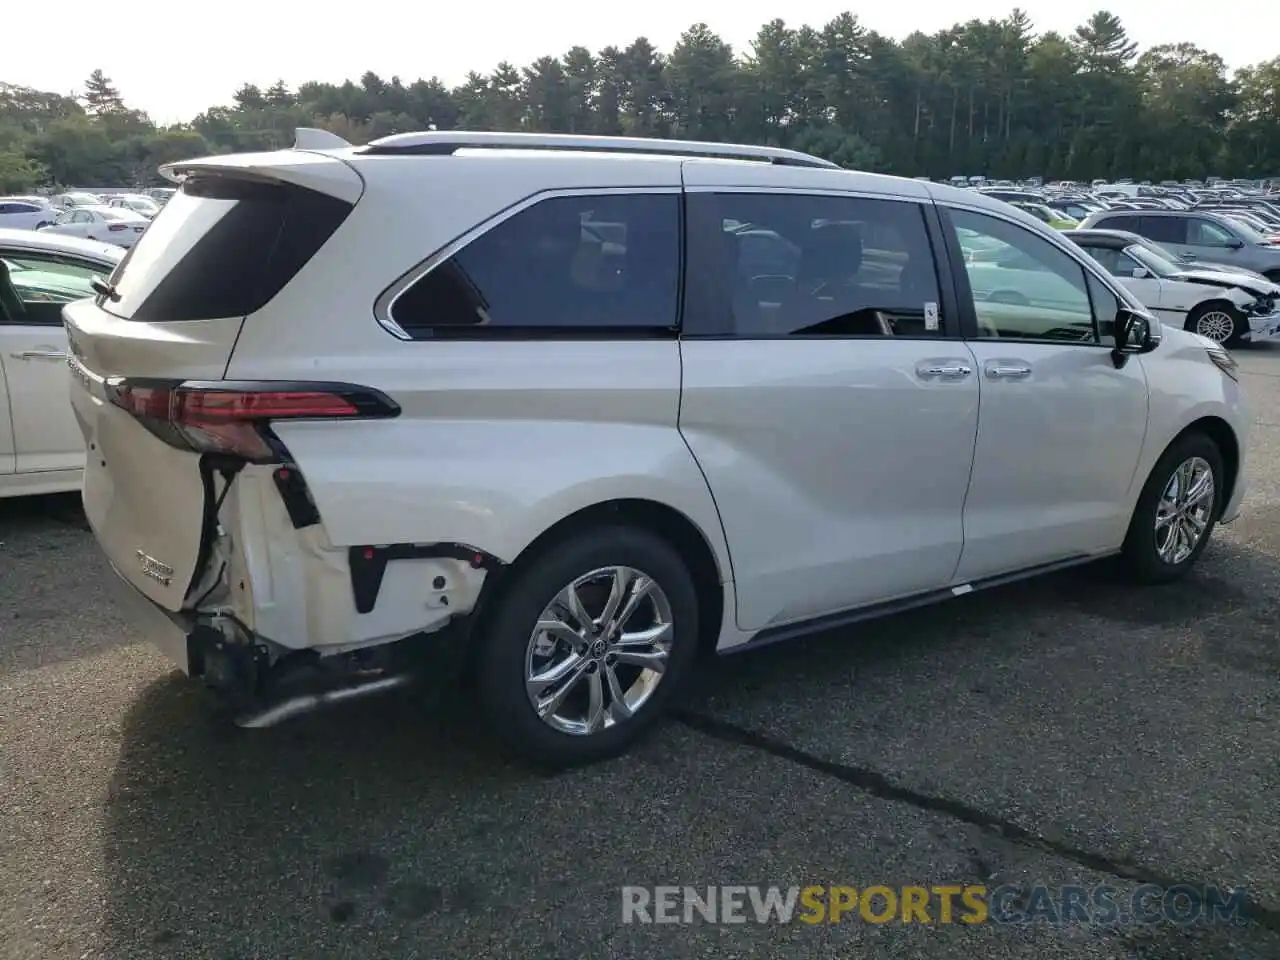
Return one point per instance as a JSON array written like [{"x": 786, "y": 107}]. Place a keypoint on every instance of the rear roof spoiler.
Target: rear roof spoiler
[
  {"x": 315, "y": 171},
  {"x": 304, "y": 138}
]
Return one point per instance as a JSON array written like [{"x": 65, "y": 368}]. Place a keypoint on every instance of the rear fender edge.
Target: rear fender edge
[
  {"x": 499, "y": 512},
  {"x": 690, "y": 499}
]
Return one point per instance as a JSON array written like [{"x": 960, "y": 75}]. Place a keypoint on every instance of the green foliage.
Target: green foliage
[
  {"x": 18, "y": 172},
  {"x": 983, "y": 97}
]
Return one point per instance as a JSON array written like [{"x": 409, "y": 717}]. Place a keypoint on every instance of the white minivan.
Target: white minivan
[{"x": 575, "y": 407}]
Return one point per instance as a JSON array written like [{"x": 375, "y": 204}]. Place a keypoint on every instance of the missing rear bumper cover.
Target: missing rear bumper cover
[{"x": 368, "y": 564}]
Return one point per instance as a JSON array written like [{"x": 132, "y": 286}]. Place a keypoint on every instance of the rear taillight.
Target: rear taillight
[{"x": 231, "y": 417}]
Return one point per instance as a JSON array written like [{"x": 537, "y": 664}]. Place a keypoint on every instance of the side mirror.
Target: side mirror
[
  {"x": 1235, "y": 243},
  {"x": 1135, "y": 333},
  {"x": 1140, "y": 273}
]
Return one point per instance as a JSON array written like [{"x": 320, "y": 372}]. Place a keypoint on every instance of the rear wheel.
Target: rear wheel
[
  {"x": 1176, "y": 512},
  {"x": 586, "y": 645},
  {"x": 1220, "y": 322}
]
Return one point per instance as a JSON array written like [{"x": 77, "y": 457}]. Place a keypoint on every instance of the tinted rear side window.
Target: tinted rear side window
[
  {"x": 1163, "y": 229},
  {"x": 1119, "y": 223},
  {"x": 222, "y": 248},
  {"x": 564, "y": 266}
]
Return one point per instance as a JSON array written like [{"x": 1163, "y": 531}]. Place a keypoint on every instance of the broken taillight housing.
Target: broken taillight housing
[{"x": 231, "y": 418}]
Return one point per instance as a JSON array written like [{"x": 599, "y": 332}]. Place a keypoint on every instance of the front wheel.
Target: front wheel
[
  {"x": 1176, "y": 512},
  {"x": 586, "y": 644},
  {"x": 1220, "y": 322}
]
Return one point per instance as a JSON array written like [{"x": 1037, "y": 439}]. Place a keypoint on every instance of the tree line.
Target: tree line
[{"x": 987, "y": 97}]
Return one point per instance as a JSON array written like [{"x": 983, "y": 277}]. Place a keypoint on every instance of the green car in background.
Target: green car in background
[{"x": 1053, "y": 217}]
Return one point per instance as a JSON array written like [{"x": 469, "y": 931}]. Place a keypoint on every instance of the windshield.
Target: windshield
[
  {"x": 1246, "y": 232},
  {"x": 1158, "y": 265}
]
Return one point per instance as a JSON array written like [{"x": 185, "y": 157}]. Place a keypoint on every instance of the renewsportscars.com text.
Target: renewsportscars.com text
[{"x": 939, "y": 904}]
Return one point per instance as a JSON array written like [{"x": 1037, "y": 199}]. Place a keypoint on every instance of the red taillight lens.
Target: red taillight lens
[
  {"x": 211, "y": 418},
  {"x": 216, "y": 406}
]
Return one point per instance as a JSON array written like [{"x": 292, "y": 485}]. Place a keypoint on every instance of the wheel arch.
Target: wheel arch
[
  {"x": 1228, "y": 444},
  {"x": 1217, "y": 300},
  {"x": 672, "y": 525}
]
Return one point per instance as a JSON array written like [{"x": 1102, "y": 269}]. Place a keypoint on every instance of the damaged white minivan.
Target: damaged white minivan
[{"x": 577, "y": 407}]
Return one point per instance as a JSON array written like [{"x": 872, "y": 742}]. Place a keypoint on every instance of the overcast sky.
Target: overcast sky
[{"x": 175, "y": 63}]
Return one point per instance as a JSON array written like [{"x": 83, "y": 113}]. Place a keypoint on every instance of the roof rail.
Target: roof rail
[
  {"x": 444, "y": 142},
  {"x": 313, "y": 138}
]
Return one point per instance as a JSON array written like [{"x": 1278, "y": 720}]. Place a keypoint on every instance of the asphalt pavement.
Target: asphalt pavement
[{"x": 1064, "y": 731}]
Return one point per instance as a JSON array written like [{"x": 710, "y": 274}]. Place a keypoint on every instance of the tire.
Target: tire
[
  {"x": 510, "y": 649},
  {"x": 1223, "y": 322},
  {"x": 1141, "y": 556}
]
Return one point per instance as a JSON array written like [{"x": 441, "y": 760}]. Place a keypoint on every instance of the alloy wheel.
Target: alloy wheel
[
  {"x": 1184, "y": 510},
  {"x": 599, "y": 650},
  {"x": 1217, "y": 325}
]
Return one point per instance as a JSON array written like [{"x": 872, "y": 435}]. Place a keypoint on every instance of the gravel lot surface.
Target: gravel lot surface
[{"x": 1065, "y": 731}]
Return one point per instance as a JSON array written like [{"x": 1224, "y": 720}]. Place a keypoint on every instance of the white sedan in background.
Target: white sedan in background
[
  {"x": 19, "y": 213},
  {"x": 41, "y": 447},
  {"x": 106, "y": 224},
  {"x": 1217, "y": 303},
  {"x": 77, "y": 198},
  {"x": 137, "y": 203}
]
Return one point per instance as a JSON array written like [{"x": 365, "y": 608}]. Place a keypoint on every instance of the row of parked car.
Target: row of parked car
[
  {"x": 118, "y": 218},
  {"x": 1065, "y": 206},
  {"x": 585, "y": 405},
  {"x": 1207, "y": 259}
]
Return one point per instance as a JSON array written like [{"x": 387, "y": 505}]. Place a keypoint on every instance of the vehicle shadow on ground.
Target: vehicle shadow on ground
[
  {"x": 318, "y": 794},
  {"x": 1221, "y": 589},
  {"x": 20, "y": 514}
]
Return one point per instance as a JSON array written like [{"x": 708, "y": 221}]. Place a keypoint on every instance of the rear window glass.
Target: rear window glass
[{"x": 221, "y": 247}]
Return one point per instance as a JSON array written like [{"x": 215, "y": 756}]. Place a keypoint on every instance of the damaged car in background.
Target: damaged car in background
[{"x": 1221, "y": 304}]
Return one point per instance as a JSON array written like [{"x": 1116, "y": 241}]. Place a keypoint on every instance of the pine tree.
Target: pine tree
[
  {"x": 100, "y": 96},
  {"x": 278, "y": 95}
]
